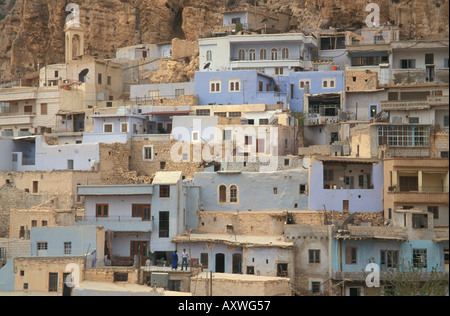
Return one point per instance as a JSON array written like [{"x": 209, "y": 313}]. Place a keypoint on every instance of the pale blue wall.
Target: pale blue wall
[
  {"x": 249, "y": 93},
  {"x": 360, "y": 200},
  {"x": 256, "y": 190},
  {"x": 82, "y": 239},
  {"x": 316, "y": 87}
]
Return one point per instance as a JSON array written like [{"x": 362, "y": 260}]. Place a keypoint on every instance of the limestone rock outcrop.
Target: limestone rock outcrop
[{"x": 33, "y": 31}]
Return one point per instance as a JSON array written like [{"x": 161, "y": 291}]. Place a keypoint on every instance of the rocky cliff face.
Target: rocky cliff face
[{"x": 33, "y": 31}]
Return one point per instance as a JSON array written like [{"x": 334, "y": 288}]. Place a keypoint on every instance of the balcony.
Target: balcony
[
  {"x": 316, "y": 119},
  {"x": 421, "y": 194},
  {"x": 18, "y": 118},
  {"x": 117, "y": 223},
  {"x": 18, "y": 94},
  {"x": 404, "y": 105}
]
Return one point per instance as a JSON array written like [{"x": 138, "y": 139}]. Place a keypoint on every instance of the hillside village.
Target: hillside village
[{"x": 289, "y": 162}]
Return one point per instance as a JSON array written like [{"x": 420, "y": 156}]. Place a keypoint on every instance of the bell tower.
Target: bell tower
[{"x": 74, "y": 42}]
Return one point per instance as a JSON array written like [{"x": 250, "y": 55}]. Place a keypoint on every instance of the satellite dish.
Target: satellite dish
[{"x": 207, "y": 66}]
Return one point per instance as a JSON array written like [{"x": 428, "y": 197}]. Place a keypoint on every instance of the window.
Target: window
[
  {"x": 314, "y": 256},
  {"x": 303, "y": 189},
  {"x": 28, "y": 109},
  {"x": 179, "y": 93},
  {"x": 263, "y": 121},
  {"x": 279, "y": 71},
  {"x": 328, "y": 175},
  {"x": 195, "y": 137},
  {"x": 153, "y": 94},
  {"x": 33, "y": 223},
  {"x": 222, "y": 194},
  {"x": 147, "y": 153},
  {"x": 56, "y": 73},
  {"x": 70, "y": 164},
  {"x": 304, "y": 84},
  {"x": 235, "y": 114},
  {"x": 102, "y": 210},
  {"x": 42, "y": 246},
  {"x": 67, "y": 248},
  {"x": 241, "y": 54},
  {"x": 209, "y": 55},
  {"x": 373, "y": 111},
  {"x": 429, "y": 59},
  {"x": 248, "y": 140},
  {"x": 275, "y": 191},
  {"x": 420, "y": 221},
  {"x": 444, "y": 154},
  {"x": 282, "y": 270},
  {"x": 215, "y": 86},
  {"x": 164, "y": 224},
  {"x": 389, "y": 259},
  {"x": 124, "y": 127},
  {"x": 108, "y": 80},
  {"x": 233, "y": 194},
  {"x": 328, "y": 83},
  {"x": 420, "y": 258},
  {"x": 141, "y": 211},
  {"x": 407, "y": 63},
  {"x": 164, "y": 191},
  {"x": 285, "y": 53},
  {"x": 263, "y": 54},
  {"x": 35, "y": 187},
  {"x": 316, "y": 288},
  {"x": 44, "y": 109},
  {"x": 203, "y": 113},
  {"x": 99, "y": 79},
  {"x": 445, "y": 62},
  {"x": 120, "y": 277},
  {"x": 235, "y": 85},
  {"x": 404, "y": 136},
  {"x": 274, "y": 54},
  {"x": 445, "y": 123},
  {"x": 107, "y": 128},
  {"x": 252, "y": 54},
  {"x": 351, "y": 255}
]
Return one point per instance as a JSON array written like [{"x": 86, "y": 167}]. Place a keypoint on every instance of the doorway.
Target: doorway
[
  {"x": 53, "y": 282},
  {"x": 67, "y": 291},
  {"x": 237, "y": 263},
  {"x": 220, "y": 263},
  {"x": 345, "y": 206},
  {"x": 139, "y": 248}
]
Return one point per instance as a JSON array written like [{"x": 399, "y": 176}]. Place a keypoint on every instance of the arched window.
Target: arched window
[
  {"x": 274, "y": 54},
  {"x": 241, "y": 54},
  {"x": 252, "y": 54},
  {"x": 285, "y": 53},
  {"x": 222, "y": 194},
  {"x": 233, "y": 194},
  {"x": 209, "y": 55},
  {"x": 263, "y": 54}
]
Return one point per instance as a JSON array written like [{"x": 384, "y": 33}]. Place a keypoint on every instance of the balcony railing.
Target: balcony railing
[
  {"x": 414, "y": 105},
  {"x": 110, "y": 219},
  {"x": 419, "y": 189}
]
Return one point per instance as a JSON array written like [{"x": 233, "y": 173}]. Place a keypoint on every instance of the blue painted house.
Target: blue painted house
[
  {"x": 237, "y": 87},
  {"x": 411, "y": 243},
  {"x": 313, "y": 83},
  {"x": 346, "y": 184}
]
